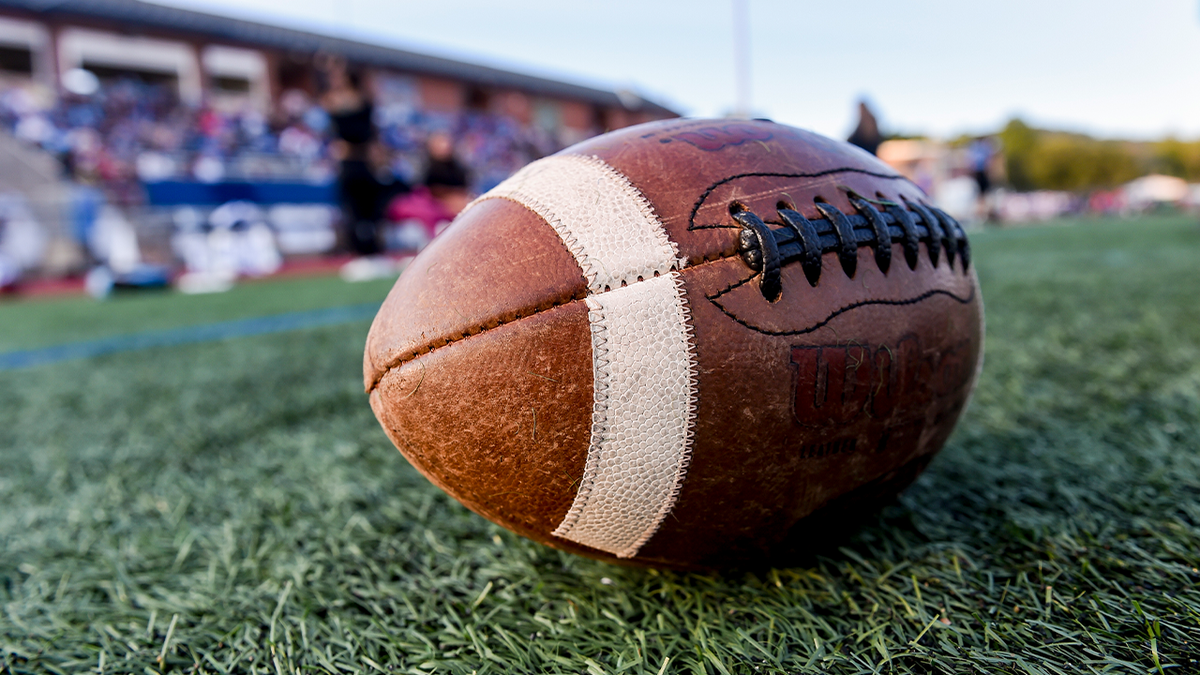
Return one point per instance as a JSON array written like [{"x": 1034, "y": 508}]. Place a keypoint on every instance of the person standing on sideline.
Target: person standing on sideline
[
  {"x": 350, "y": 110},
  {"x": 979, "y": 156},
  {"x": 866, "y": 135}
]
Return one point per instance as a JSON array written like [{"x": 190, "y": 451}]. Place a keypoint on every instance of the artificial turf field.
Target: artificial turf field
[{"x": 233, "y": 506}]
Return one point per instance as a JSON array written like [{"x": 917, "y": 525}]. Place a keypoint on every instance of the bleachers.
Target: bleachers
[{"x": 135, "y": 146}]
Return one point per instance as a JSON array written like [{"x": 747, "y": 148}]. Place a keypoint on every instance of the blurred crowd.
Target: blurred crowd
[
  {"x": 130, "y": 131},
  {"x": 402, "y": 171},
  {"x": 398, "y": 171}
]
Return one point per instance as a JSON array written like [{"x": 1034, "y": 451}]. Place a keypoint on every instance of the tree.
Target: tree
[
  {"x": 1038, "y": 159},
  {"x": 1178, "y": 158}
]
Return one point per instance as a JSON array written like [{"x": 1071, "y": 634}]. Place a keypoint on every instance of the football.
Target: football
[{"x": 678, "y": 343}]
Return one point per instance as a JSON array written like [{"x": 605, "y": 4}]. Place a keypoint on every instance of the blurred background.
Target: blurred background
[
  {"x": 203, "y": 203},
  {"x": 197, "y": 143}
]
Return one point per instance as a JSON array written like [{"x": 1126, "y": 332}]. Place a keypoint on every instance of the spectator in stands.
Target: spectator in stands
[
  {"x": 445, "y": 176},
  {"x": 440, "y": 196},
  {"x": 866, "y": 135},
  {"x": 299, "y": 141}
]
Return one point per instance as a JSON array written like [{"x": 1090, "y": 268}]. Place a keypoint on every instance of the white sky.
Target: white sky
[{"x": 1107, "y": 67}]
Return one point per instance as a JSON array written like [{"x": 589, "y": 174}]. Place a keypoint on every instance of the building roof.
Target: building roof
[{"x": 145, "y": 15}]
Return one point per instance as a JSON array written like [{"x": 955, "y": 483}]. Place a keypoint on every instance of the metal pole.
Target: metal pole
[{"x": 741, "y": 58}]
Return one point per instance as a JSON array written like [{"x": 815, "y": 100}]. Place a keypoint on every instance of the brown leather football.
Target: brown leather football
[{"x": 670, "y": 344}]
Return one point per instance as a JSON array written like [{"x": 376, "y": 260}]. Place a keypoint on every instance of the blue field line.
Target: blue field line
[{"x": 173, "y": 337}]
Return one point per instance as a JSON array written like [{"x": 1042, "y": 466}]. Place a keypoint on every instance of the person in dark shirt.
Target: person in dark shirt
[
  {"x": 363, "y": 195},
  {"x": 445, "y": 176},
  {"x": 866, "y": 135},
  {"x": 980, "y": 153}
]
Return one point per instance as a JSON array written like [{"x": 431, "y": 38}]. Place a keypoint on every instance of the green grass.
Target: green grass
[
  {"x": 30, "y": 323},
  {"x": 234, "y": 507}
]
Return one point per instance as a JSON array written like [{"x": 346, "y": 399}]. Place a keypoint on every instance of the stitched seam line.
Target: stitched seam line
[
  {"x": 519, "y": 197},
  {"x": 598, "y": 276},
  {"x": 599, "y": 430},
  {"x": 478, "y": 330},
  {"x": 852, "y": 306},
  {"x": 774, "y": 174},
  {"x": 689, "y": 433},
  {"x": 580, "y": 295},
  {"x": 626, "y": 187}
]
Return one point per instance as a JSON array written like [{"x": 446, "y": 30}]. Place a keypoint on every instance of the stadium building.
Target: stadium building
[
  {"x": 150, "y": 110},
  {"x": 235, "y": 63}
]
